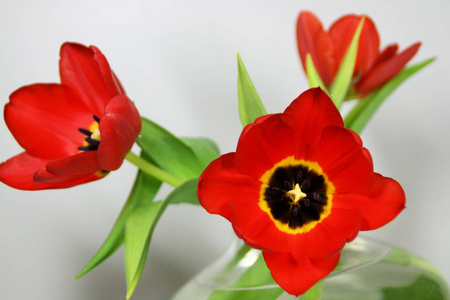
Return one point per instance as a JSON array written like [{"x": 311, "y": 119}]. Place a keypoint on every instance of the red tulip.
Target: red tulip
[
  {"x": 373, "y": 67},
  {"x": 74, "y": 132},
  {"x": 299, "y": 186}
]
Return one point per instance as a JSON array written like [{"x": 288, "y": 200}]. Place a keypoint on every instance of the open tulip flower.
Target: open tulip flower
[
  {"x": 373, "y": 67},
  {"x": 74, "y": 132},
  {"x": 299, "y": 186}
]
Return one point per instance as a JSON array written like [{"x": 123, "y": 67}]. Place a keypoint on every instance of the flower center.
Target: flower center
[
  {"x": 92, "y": 139},
  {"x": 296, "y": 194}
]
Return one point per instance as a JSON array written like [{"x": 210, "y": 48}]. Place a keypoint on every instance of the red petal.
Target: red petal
[
  {"x": 44, "y": 119},
  {"x": 312, "y": 39},
  {"x": 384, "y": 71},
  {"x": 64, "y": 181},
  {"x": 254, "y": 225},
  {"x": 330, "y": 236},
  {"x": 385, "y": 200},
  {"x": 342, "y": 32},
  {"x": 265, "y": 143},
  {"x": 223, "y": 190},
  {"x": 343, "y": 160},
  {"x": 220, "y": 183},
  {"x": 18, "y": 172},
  {"x": 386, "y": 54},
  {"x": 119, "y": 128},
  {"x": 313, "y": 110},
  {"x": 112, "y": 82},
  {"x": 80, "y": 71},
  {"x": 295, "y": 276},
  {"x": 83, "y": 163}
]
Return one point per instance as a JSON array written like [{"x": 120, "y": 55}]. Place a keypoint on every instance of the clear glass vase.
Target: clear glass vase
[{"x": 368, "y": 269}]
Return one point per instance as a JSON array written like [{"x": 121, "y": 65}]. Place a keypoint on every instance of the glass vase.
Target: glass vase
[{"x": 368, "y": 269}]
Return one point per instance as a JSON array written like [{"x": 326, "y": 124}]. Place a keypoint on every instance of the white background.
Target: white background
[{"x": 177, "y": 61}]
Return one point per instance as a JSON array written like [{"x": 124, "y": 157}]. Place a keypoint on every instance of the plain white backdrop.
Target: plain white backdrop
[{"x": 177, "y": 61}]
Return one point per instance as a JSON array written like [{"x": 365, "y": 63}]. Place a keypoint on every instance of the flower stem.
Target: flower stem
[{"x": 152, "y": 170}]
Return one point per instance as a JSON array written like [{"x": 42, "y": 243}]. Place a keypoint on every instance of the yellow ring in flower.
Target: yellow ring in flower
[{"x": 314, "y": 208}]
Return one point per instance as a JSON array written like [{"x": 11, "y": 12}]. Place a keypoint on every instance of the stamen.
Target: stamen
[
  {"x": 306, "y": 202},
  {"x": 97, "y": 119},
  {"x": 295, "y": 210},
  {"x": 299, "y": 176},
  {"x": 286, "y": 198},
  {"x": 276, "y": 189},
  {"x": 85, "y": 131},
  {"x": 84, "y": 148},
  {"x": 316, "y": 196},
  {"x": 287, "y": 185},
  {"x": 306, "y": 184},
  {"x": 92, "y": 141}
]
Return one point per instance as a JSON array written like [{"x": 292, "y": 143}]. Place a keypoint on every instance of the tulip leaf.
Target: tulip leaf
[
  {"x": 140, "y": 226},
  {"x": 205, "y": 149},
  {"x": 343, "y": 79},
  {"x": 250, "y": 106},
  {"x": 313, "y": 76},
  {"x": 144, "y": 190},
  {"x": 256, "y": 275},
  {"x": 363, "y": 111},
  {"x": 169, "y": 152}
]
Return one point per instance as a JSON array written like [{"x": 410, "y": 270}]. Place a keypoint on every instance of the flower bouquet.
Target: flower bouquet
[{"x": 297, "y": 190}]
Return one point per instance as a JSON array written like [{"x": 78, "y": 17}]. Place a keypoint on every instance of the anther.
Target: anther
[
  {"x": 92, "y": 141},
  {"x": 295, "y": 210},
  {"x": 276, "y": 189},
  {"x": 84, "y": 148},
  {"x": 85, "y": 131},
  {"x": 306, "y": 202},
  {"x": 97, "y": 119},
  {"x": 287, "y": 198},
  {"x": 299, "y": 176},
  {"x": 287, "y": 185},
  {"x": 316, "y": 196},
  {"x": 306, "y": 183}
]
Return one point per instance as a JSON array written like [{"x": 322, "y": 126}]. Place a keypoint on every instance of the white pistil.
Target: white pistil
[
  {"x": 96, "y": 134},
  {"x": 296, "y": 193}
]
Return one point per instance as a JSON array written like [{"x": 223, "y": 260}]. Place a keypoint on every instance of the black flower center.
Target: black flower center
[
  {"x": 296, "y": 194},
  {"x": 92, "y": 139}
]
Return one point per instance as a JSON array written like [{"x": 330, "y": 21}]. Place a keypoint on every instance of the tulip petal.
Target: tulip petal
[
  {"x": 221, "y": 182},
  {"x": 64, "y": 181},
  {"x": 312, "y": 39},
  {"x": 341, "y": 33},
  {"x": 330, "y": 236},
  {"x": 18, "y": 172},
  {"x": 264, "y": 143},
  {"x": 83, "y": 163},
  {"x": 295, "y": 276},
  {"x": 385, "y": 70},
  {"x": 119, "y": 128},
  {"x": 347, "y": 166},
  {"x": 112, "y": 82},
  {"x": 44, "y": 119},
  {"x": 385, "y": 200},
  {"x": 80, "y": 71},
  {"x": 313, "y": 110}
]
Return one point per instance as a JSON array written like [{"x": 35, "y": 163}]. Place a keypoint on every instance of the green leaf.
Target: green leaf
[
  {"x": 363, "y": 111},
  {"x": 314, "y": 293},
  {"x": 185, "y": 193},
  {"x": 144, "y": 190},
  {"x": 250, "y": 106},
  {"x": 205, "y": 149},
  {"x": 343, "y": 79},
  {"x": 256, "y": 275},
  {"x": 139, "y": 230},
  {"x": 313, "y": 76},
  {"x": 169, "y": 152}
]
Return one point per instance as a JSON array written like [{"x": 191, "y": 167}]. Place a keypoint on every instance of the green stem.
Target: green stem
[{"x": 152, "y": 170}]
